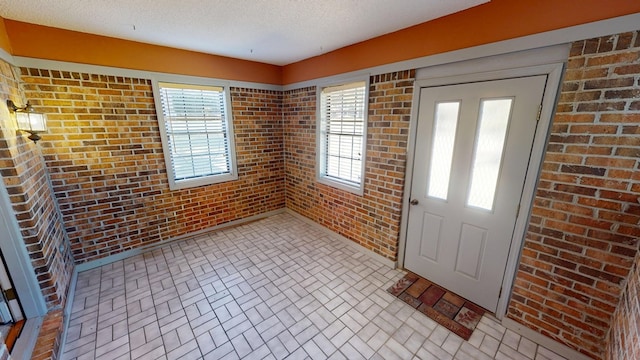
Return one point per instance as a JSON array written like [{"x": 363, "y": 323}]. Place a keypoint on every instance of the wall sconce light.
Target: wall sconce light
[{"x": 29, "y": 120}]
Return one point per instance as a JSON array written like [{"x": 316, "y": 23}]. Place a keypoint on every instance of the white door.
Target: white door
[
  {"x": 471, "y": 156},
  {"x": 10, "y": 310}
]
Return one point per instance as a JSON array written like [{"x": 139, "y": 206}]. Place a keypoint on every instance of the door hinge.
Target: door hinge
[
  {"x": 518, "y": 211},
  {"x": 539, "y": 113},
  {"x": 10, "y": 294},
  {"x": 500, "y": 292}
]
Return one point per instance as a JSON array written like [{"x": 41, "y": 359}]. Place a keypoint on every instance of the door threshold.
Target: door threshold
[
  {"x": 26, "y": 341},
  {"x": 13, "y": 334}
]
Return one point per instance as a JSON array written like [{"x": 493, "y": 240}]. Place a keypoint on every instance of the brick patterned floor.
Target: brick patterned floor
[{"x": 272, "y": 289}]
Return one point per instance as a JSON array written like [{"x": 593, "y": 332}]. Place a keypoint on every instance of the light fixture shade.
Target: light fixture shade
[
  {"x": 31, "y": 121},
  {"x": 28, "y": 120},
  {"x": 24, "y": 123}
]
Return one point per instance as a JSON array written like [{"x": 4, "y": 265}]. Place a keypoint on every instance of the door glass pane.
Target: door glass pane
[
  {"x": 444, "y": 134},
  {"x": 494, "y": 120}
]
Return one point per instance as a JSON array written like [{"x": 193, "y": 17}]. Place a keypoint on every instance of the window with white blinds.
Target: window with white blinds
[
  {"x": 198, "y": 136},
  {"x": 342, "y": 135}
]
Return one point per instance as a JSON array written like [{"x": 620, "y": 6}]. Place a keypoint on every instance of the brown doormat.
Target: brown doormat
[
  {"x": 13, "y": 334},
  {"x": 446, "y": 308}
]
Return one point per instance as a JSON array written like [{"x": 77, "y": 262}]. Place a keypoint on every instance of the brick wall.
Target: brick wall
[
  {"x": 104, "y": 154},
  {"x": 584, "y": 235},
  {"x": 47, "y": 345},
  {"x": 371, "y": 220},
  {"x": 105, "y": 159},
  {"x": 27, "y": 183},
  {"x": 623, "y": 341}
]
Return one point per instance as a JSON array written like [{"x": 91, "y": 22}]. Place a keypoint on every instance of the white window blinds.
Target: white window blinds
[
  {"x": 197, "y": 130},
  {"x": 342, "y": 135}
]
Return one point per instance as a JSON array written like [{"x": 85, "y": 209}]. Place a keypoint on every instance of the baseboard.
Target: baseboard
[
  {"x": 540, "y": 339},
  {"x": 66, "y": 312},
  {"x": 26, "y": 342},
  {"x": 137, "y": 251},
  {"x": 133, "y": 252},
  {"x": 392, "y": 264}
]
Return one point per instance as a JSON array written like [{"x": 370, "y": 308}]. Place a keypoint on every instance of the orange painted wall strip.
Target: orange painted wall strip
[
  {"x": 495, "y": 21},
  {"x": 43, "y": 42},
  {"x": 5, "y": 44}
]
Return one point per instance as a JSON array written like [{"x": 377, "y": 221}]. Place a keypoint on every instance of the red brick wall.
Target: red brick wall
[
  {"x": 623, "y": 341},
  {"x": 584, "y": 234},
  {"x": 48, "y": 344},
  {"x": 105, "y": 157},
  {"x": 371, "y": 220},
  {"x": 27, "y": 183}
]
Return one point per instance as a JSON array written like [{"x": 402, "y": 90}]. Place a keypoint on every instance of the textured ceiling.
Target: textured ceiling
[{"x": 272, "y": 31}]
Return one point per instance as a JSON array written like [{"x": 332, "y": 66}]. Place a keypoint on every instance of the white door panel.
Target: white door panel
[
  {"x": 472, "y": 151},
  {"x": 471, "y": 245},
  {"x": 431, "y": 224},
  {"x": 9, "y": 308}
]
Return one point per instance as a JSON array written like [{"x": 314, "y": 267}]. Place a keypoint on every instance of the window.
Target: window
[
  {"x": 197, "y": 134},
  {"x": 342, "y": 133},
  {"x": 444, "y": 136},
  {"x": 489, "y": 151}
]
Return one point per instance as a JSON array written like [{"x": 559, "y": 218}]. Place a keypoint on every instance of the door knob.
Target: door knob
[{"x": 414, "y": 202}]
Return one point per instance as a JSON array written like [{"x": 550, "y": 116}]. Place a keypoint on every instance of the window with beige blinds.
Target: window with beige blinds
[
  {"x": 342, "y": 135},
  {"x": 197, "y": 136}
]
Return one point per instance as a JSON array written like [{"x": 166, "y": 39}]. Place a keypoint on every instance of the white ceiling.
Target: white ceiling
[{"x": 272, "y": 31}]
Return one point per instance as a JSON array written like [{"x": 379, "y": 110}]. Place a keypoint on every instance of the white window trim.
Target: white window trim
[
  {"x": 204, "y": 180},
  {"x": 320, "y": 153}
]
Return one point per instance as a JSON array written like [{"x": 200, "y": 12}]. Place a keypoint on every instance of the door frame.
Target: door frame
[
  {"x": 18, "y": 262},
  {"x": 548, "y": 61}
]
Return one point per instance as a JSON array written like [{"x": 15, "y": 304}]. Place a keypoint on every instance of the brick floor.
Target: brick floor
[{"x": 272, "y": 289}]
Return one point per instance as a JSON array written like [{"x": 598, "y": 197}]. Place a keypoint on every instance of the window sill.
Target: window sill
[
  {"x": 342, "y": 185},
  {"x": 202, "y": 181}
]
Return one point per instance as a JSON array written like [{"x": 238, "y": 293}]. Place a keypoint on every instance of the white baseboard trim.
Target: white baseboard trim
[
  {"x": 66, "y": 312},
  {"x": 390, "y": 263},
  {"x": 540, "y": 339},
  {"x": 26, "y": 342},
  {"x": 133, "y": 252},
  {"x": 126, "y": 254},
  {"x": 137, "y": 251}
]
